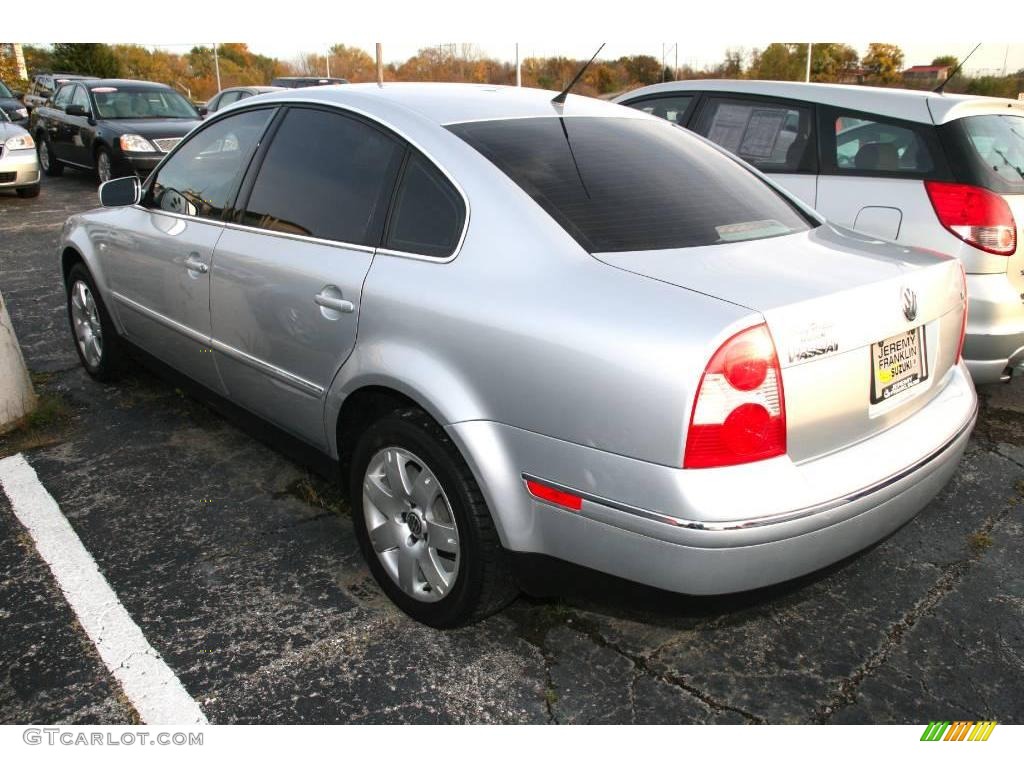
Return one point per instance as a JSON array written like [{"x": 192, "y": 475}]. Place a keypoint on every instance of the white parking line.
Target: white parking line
[{"x": 153, "y": 689}]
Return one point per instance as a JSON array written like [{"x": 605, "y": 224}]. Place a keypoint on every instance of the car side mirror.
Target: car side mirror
[
  {"x": 76, "y": 110},
  {"x": 118, "y": 193},
  {"x": 203, "y": 111},
  {"x": 19, "y": 95}
]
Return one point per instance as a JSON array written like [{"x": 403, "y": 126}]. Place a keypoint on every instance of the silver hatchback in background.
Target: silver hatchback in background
[
  {"x": 19, "y": 167},
  {"x": 933, "y": 170},
  {"x": 521, "y": 326}
]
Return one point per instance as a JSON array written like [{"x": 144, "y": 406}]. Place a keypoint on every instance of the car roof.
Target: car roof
[
  {"x": 95, "y": 82},
  {"x": 449, "y": 103},
  {"x": 257, "y": 88},
  {"x": 919, "y": 106}
]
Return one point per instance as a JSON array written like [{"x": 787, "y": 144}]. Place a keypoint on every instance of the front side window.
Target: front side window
[
  {"x": 671, "y": 108},
  {"x": 774, "y": 137},
  {"x": 113, "y": 103},
  {"x": 201, "y": 178},
  {"x": 229, "y": 98},
  {"x": 428, "y": 213},
  {"x": 5, "y": 92},
  {"x": 327, "y": 176},
  {"x": 869, "y": 145},
  {"x": 632, "y": 183}
]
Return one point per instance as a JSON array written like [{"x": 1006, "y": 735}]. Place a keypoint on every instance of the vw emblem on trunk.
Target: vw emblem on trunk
[{"x": 909, "y": 303}]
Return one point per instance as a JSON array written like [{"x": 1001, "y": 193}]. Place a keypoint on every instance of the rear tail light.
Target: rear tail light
[
  {"x": 739, "y": 412},
  {"x": 975, "y": 215},
  {"x": 963, "y": 321}
]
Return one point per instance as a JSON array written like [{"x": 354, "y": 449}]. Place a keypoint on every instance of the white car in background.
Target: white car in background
[{"x": 938, "y": 171}]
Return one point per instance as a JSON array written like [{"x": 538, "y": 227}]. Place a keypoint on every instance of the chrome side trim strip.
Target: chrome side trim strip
[
  {"x": 271, "y": 370},
  {"x": 235, "y": 354},
  {"x": 737, "y": 525},
  {"x": 174, "y": 325}
]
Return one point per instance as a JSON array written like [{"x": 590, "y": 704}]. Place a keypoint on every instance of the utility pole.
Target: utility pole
[
  {"x": 19, "y": 61},
  {"x": 327, "y": 60},
  {"x": 1005, "y": 57},
  {"x": 216, "y": 66},
  {"x": 519, "y": 72},
  {"x": 380, "y": 66},
  {"x": 807, "y": 78},
  {"x": 663, "y": 62}
]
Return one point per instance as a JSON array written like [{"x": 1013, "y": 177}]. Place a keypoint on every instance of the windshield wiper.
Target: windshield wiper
[{"x": 1006, "y": 161}]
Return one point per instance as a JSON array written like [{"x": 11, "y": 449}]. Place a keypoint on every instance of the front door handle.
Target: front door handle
[
  {"x": 193, "y": 264},
  {"x": 330, "y": 298}
]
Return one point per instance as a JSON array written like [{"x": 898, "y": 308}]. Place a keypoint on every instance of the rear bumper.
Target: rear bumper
[
  {"x": 995, "y": 327},
  {"x": 23, "y": 164},
  {"x": 723, "y": 530}
]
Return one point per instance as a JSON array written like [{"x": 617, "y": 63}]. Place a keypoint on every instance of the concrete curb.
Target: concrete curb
[{"x": 17, "y": 397}]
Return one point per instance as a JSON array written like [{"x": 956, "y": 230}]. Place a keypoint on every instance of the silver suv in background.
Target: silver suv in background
[{"x": 937, "y": 171}]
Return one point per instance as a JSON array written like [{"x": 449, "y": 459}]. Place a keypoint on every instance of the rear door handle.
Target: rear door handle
[
  {"x": 330, "y": 298},
  {"x": 193, "y": 264}
]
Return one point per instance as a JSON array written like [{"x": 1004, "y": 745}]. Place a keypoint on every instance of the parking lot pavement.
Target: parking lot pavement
[{"x": 238, "y": 562}]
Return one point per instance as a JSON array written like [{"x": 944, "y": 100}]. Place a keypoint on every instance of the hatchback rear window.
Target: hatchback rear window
[
  {"x": 627, "y": 184},
  {"x": 998, "y": 142}
]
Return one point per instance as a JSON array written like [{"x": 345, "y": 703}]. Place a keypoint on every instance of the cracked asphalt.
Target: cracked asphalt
[{"x": 231, "y": 549}]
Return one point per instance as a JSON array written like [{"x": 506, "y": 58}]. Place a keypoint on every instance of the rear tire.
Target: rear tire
[
  {"x": 104, "y": 165},
  {"x": 479, "y": 576},
  {"x": 47, "y": 161},
  {"x": 32, "y": 191},
  {"x": 92, "y": 331}
]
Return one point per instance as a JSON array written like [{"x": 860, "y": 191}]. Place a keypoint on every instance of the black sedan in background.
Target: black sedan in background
[
  {"x": 16, "y": 112},
  {"x": 112, "y": 127}
]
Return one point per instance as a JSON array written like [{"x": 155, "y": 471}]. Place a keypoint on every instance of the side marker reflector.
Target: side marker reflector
[{"x": 554, "y": 496}]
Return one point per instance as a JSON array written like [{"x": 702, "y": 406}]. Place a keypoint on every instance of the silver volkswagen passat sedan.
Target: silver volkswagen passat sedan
[{"x": 522, "y": 326}]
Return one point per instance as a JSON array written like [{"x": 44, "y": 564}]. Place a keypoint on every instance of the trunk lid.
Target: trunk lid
[{"x": 827, "y": 296}]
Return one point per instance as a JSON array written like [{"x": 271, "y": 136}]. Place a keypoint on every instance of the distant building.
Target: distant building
[
  {"x": 922, "y": 76},
  {"x": 852, "y": 75}
]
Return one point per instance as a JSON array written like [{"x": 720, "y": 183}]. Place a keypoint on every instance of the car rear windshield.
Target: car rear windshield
[
  {"x": 632, "y": 184},
  {"x": 136, "y": 103},
  {"x": 998, "y": 142}
]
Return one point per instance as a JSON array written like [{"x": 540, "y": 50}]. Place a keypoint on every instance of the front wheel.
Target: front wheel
[
  {"x": 95, "y": 337},
  {"x": 423, "y": 525}
]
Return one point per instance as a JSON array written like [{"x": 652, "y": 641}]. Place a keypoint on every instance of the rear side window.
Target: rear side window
[
  {"x": 202, "y": 177},
  {"x": 866, "y": 145},
  {"x": 631, "y": 184},
  {"x": 325, "y": 175},
  {"x": 672, "y": 108},
  {"x": 63, "y": 97},
  {"x": 774, "y": 137},
  {"x": 428, "y": 214}
]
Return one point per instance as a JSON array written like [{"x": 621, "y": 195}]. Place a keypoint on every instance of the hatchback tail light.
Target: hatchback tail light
[
  {"x": 739, "y": 412},
  {"x": 975, "y": 215}
]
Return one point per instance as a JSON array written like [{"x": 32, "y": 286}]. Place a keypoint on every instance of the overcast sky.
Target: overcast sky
[{"x": 545, "y": 27}]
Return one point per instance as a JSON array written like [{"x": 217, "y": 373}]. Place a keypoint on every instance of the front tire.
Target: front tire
[
  {"x": 92, "y": 330},
  {"x": 423, "y": 525}
]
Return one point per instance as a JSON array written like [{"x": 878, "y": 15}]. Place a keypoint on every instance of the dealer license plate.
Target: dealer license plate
[{"x": 897, "y": 364}]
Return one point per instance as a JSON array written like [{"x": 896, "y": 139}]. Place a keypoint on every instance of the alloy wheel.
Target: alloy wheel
[
  {"x": 86, "y": 320},
  {"x": 410, "y": 524}
]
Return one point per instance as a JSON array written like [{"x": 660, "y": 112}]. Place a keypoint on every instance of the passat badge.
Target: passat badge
[
  {"x": 813, "y": 341},
  {"x": 909, "y": 303}
]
